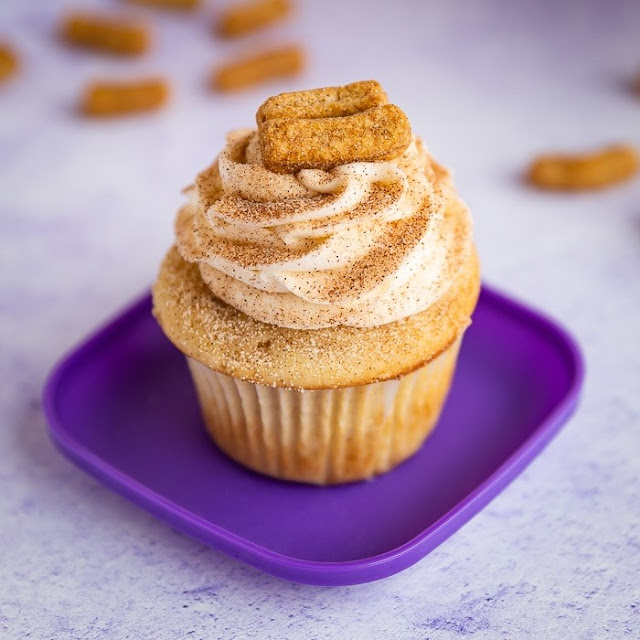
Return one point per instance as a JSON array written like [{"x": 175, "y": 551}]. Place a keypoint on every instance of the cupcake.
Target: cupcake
[{"x": 321, "y": 310}]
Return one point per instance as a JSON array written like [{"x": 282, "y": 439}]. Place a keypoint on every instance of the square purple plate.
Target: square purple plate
[{"x": 122, "y": 407}]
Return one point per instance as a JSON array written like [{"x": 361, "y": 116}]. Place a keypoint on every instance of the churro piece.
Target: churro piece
[
  {"x": 322, "y": 128},
  {"x": 328, "y": 102},
  {"x": 379, "y": 133},
  {"x": 245, "y": 17},
  {"x": 176, "y": 5},
  {"x": 121, "y": 36},
  {"x": 595, "y": 170},
  {"x": 118, "y": 98},
  {"x": 257, "y": 68},
  {"x": 8, "y": 62}
]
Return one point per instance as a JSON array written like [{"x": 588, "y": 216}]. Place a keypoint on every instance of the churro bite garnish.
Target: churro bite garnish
[
  {"x": 8, "y": 62},
  {"x": 121, "y": 36},
  {"x": 328, "y": 102},
  {"x": 118, "y": 98},
  {"x": 595, "y": 170},
  {"x": 324, "y": 128},
  {"x": 246, "y": 17},
  {"x": 260, "y": 67}
]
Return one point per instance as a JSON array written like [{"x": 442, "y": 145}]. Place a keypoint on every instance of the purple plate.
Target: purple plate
[{"x": 123, "y": 408}]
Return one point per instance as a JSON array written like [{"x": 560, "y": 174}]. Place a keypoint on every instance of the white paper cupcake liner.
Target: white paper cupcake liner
[{"x": 324, "y": 436}]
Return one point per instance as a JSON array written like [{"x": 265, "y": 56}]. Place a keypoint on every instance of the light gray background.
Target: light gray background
[{"x": 86, "y": 213}]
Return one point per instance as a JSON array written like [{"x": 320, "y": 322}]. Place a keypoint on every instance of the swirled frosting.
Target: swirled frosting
[{"x": 362, "y": 245}]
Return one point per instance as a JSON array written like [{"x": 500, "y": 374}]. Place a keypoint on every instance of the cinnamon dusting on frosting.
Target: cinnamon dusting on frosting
[{"x": 363, "y": 244}]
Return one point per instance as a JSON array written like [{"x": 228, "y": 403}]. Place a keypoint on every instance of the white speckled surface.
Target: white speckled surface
[{"x": 86, "y": 211}]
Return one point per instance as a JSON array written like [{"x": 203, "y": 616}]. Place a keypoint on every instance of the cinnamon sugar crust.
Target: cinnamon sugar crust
[{"x": 230, "y": 342}]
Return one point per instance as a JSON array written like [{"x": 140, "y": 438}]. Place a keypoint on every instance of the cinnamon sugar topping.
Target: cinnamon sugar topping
[
  {"x": 360, "y": 244},
  {"x": 363, "y": 244}
]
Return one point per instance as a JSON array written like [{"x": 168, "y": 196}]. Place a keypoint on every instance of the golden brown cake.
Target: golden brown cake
[{"x": 321, "y": 311}]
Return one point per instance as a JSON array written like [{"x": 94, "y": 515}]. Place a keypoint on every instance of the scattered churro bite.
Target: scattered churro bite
[
  {"x": 323, "y": 128},
  {"x": 174, "y": 5},
  {"x": 120, "y": 36},
  {"x": 322, "y": 278},
  {"x": 594, "y": 170},
  {"x": 8, "y": 62},
  {"x": 106, "y": 99},
  {"x": 271, "y": 64},
  {"x": 246, "y": 17}
]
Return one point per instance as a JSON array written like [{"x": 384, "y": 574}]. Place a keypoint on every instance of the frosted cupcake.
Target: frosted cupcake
[{"x": 321, "y": 311}]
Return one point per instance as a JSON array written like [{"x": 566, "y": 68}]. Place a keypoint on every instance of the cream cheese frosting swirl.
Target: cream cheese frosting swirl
[{"x": 364, "y": 244}]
